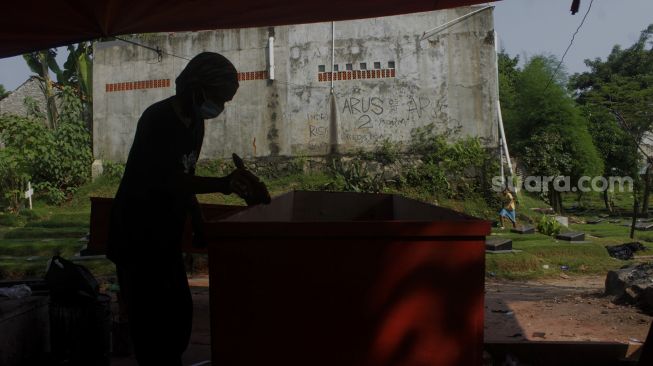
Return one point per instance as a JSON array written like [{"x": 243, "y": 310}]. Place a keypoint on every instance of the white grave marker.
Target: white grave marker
[{"x": 29, "y": 193}]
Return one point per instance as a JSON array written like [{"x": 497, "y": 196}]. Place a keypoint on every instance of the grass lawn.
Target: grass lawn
[
  {"x": 28, "y": 240},
  {"x": 535, "y": 253}
]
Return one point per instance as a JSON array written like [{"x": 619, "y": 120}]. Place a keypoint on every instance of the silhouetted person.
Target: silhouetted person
[{"x": 156, "y": 194}]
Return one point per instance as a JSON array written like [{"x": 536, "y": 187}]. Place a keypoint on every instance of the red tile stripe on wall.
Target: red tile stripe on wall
[
  {"x": 252, "y": 75},
  {"x": 137, "y": 85},
  {"x": 356, "y": 74},
  {"x": 165, "y": 83}
]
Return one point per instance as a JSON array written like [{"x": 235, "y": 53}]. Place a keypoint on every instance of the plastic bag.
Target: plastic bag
[{"x": 70, "y": 282}]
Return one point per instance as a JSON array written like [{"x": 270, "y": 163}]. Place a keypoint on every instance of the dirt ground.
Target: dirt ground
[
  {"x": 571, "y": 309},
  {"x": 561, "y": 309}
]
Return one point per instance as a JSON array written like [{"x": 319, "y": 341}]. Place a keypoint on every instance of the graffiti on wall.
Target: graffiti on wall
[{"x": 365, "y": 119}]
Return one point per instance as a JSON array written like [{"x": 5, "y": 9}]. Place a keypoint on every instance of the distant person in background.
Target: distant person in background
[
  {"x": 155, "y": 197},
  {"x": 508, "y": 209}
]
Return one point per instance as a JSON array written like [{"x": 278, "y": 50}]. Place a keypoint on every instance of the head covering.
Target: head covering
[{"x": 207, "y": 70}]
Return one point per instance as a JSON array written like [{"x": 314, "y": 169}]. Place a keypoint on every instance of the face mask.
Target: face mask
[{"x": 208, "y": 109}]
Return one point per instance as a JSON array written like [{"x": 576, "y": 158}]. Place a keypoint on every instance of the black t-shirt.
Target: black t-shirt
[{"x": 150, "y": 207}]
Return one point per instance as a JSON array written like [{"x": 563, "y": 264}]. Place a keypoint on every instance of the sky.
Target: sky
[
  {"x": 531, "y": 27},
  {"x": 525, "y": 28}
]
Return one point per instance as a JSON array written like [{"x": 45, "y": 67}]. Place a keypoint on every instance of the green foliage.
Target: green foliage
[
  {"x": 40, "y": 62},
  {"x": 546, "y": 154},
  {"x": 50, "y": 193},
  {"x": 426, "y": 142},
  {"x": 508, "y": 77},
  {"x": 56, "y": 161},
  {"x": 10, "y": 219},
  {"x": 451, "y": 170},
  {"x": 72, "y": 145},
  {"x": 548, "y": 225},
  {"x": 546, "y": 127},
  {"x": 78, "y": 68},
  {"x": 618, "y": 93},
  {"x": 113, "y": 171},
  {"x": 33, "y": 108},
  {"x": 430, "y": 178},
  {"x": 356, "y": 176},
  {"x": 387, "y": 152},
  {"x": 13, "y": 178},
  {"x": 297, "y": 165},
  {"x": 78, "y": 74},
  {"x": 18, "y": 219}
]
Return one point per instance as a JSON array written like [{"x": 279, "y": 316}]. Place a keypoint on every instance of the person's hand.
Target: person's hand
[{"x": 246, "y": 185}]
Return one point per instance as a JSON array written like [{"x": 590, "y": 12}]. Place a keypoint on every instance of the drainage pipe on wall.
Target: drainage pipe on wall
[
  {"x": 333, "y": 105},
  {"x": 333, "y": 51},
  {"x": 271, "y": 57},
  {"x": 438, "y": 29}
]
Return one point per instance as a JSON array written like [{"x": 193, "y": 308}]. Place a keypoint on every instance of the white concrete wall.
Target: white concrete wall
[{"x": 448, "y": 79}]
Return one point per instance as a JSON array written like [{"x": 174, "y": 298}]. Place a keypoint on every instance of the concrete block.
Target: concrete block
[
  {"x": 572, "y": 236},
  {"x": 96, "y": 169},
  {"x": 496, "y": 244},
  {"x": 526, "y": 229},
  {"x": 643, "y": 226}
]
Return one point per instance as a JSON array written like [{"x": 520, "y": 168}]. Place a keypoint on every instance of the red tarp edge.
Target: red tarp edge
[{"x": 30, "y": 25}]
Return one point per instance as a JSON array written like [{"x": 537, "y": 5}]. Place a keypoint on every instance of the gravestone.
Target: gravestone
[
  {"x": 563, "y": 220},
  {"x": 526, "y": 229},
  {"x": 643, "y": 226},
  {"x": 498, "y": 244},
  {"x": 595, "y": 221},
  {"x": 572, "y": 236}
]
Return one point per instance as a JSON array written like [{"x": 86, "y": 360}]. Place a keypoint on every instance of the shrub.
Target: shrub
[
  {"x": 388, "y": 152},
  {"x": 56, "y": 161},
  {"x": 355, "y": 176},
  {"x": 13, "y": 178},
  {"x": 548, "y": 225},
  {"x": 113, "y": 171},
  {"x": 460, "y": 169}
]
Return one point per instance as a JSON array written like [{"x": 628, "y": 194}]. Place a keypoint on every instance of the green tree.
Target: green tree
[
  {"x": 548, "y": 129},
  {"x": 40, "y": 63},
  {"x": 619, "y": 153},
  {"x": 621, "y": 88},
  {"x": 77, "y": 73},
  {"x": 508, "y": 77}
]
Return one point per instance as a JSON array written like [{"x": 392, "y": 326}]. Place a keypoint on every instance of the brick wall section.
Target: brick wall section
[
  {"x": 14, "y": 103},
  {"x": 165, "y": 83},
  {"x": 252, "y": 75},
  {"x": 356, "y": 74},
  {"x": 137, "y": 85}
]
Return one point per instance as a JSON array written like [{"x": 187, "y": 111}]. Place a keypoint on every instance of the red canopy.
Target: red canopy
[{"x": 29, "y": 25}]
